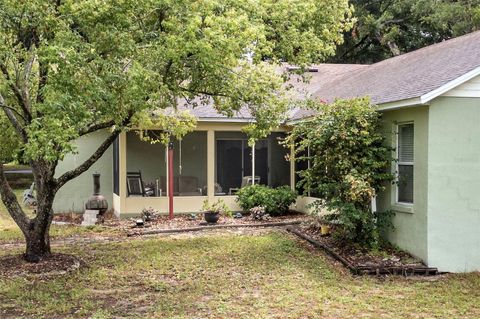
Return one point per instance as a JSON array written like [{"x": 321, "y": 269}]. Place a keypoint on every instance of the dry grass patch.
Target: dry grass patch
[{"x": 269, "y": 275}]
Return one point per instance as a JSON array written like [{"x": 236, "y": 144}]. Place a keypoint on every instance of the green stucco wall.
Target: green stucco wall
[
  {"x": 454, "y": 184},
  {"x": 410, "y": 222},
  {"x": 73, "y": 195}
]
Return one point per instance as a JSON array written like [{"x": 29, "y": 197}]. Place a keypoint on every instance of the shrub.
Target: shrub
[
  {"x": 275, "y": 200},
  {"x": 349, "y": 165}
]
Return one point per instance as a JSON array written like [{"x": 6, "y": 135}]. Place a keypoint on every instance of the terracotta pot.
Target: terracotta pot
[
  {"x": 324, "y": 230},
  {"x": 211, "y": 217}
]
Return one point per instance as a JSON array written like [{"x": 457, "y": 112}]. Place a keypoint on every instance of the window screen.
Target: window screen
[{"x": 405, "y": 149}]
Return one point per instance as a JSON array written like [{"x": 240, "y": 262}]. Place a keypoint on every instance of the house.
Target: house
[{"x": 430, "y": 101}]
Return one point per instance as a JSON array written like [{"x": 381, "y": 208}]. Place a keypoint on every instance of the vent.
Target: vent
[{"x": 296, "y": 68}]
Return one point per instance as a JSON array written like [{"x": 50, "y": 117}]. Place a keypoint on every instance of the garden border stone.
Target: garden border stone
[
  {"x": 208, "y": 227},
  {"x": 367, "y": 270}
]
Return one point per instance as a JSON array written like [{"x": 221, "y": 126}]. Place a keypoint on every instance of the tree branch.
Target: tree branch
[
  {"x": 13, "y": 110},
  {"x": 11, "y": 203},
  {"x": 13, "y": 119},
  {"x": 18, "y": 94},
  {"x": 62, "y": 180},
  {"x": 95, "y": 127}
]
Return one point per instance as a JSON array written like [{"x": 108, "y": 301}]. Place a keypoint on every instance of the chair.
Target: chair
[
  {"x": 135, "y": 186},
  {"x": 188, "y": 186},
  {"x": 246, "y": 181}
]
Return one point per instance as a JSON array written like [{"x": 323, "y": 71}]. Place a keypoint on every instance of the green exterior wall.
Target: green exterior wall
[
  {"x": 454, "y": 184},
  {"x": 73, "y": 195},
  {"x": 410, "y": 222}
]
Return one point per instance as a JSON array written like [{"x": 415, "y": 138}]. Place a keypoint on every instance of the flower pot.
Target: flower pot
[
  {"x": 324, "y": 230},
  {"x": 211, "y": 217}
]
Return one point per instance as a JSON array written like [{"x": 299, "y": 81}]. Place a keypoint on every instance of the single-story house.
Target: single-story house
[{"x": 430, "y": 101}]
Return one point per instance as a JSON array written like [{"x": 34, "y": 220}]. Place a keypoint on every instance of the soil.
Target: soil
[
  {"x": 190, "y": 221},
  {"x": 386, "y": 256},
  {"x": 55, "y": 264},
  {"x": 73, "y": 218}
]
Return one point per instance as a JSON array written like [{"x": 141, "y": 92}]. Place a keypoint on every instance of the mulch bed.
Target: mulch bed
[
  {"x": 55, "y": 264},
  {"x": 162, "y": 224},
  {"x": 71, "y": 218},
  {"x": 361, "y": 261}
]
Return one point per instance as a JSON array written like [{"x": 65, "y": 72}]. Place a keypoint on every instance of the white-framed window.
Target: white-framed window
[{"x": 405, "y": 163}]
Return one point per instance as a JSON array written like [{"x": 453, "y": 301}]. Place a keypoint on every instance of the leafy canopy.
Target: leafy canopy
[
  {"x": 70, "y": 67},
  {"x": 349, "y": 164},
  {"x": 388, "y": 28}
]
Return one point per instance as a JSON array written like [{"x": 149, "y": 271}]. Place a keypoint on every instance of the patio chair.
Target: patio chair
[
  {"x": 135, "y": 185},
  {"x": 246, "y": 181}
]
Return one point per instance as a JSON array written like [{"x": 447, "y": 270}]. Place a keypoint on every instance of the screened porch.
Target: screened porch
[{"x": 209, "y": 163}]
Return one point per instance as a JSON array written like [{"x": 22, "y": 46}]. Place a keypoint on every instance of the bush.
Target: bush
[
  {"x": 350, "y": 165},
  {"x": 275, "y": 200}
]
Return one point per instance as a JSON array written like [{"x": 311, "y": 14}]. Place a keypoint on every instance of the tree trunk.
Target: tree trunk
[
  {"x": 38, "y": 245},
  {"x": 37, "y": 234}
]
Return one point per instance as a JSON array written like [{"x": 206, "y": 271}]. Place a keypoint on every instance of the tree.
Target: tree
[
  {"x": 70, "y": 68},
  {"x": 349, "y": 165},
  {"x": 388, "y": 28}
]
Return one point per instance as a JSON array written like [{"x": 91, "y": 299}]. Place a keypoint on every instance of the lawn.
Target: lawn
[
  {"x": 9, "y": 231},
  {"x": 267, "y": 275}
]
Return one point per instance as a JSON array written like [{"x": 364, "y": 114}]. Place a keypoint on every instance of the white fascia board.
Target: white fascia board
[
  {"x": 399, "y": 104},
  {"x": 450, "y": 85},
  {"x": 225, "y": 120},
  {"x": 296, "y": 121}
]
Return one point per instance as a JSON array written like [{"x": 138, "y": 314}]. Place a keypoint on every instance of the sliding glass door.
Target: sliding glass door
[
  {"x": 234, "y": 162},
  {"x": 230, "y": 165}
]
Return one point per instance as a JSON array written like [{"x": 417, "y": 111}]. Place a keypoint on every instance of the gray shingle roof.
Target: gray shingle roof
[
  {"x": 301, "y": 89},
  {"x": 409, "y": 75}
]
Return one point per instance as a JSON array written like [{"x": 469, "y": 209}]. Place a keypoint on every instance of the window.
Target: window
[{"x": 405, "y": 153}]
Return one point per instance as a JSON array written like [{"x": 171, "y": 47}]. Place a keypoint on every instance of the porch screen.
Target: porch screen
[
  {"x": 405, "y": 150},
  {"x": 190, "y": 165},
  {"x": 233, "y": 169},
  {"x": 149, "y": 160}
]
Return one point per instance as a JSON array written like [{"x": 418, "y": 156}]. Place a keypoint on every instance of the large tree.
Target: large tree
[
  {"x": 388, "y": 28},
  {"x": 69, "y": 68}
]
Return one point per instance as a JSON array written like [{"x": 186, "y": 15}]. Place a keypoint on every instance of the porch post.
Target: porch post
[
  {"x": 122, "y": 170},
  {"x": 210, "y": 165},
  {"x": 292, "y": 167},
  {"x": 253, "y": 164},
  {"x": 170, "y": 180}
]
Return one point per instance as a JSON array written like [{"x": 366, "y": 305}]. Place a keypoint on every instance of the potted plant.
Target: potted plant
[{"x": 213, "y": 211}]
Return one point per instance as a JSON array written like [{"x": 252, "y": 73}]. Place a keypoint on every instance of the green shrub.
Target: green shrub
[
  {"x": 349, "y": 165},
  {"x": 275, "y": 200}
]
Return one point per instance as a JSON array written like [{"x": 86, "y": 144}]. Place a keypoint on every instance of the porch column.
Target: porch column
[
  {"x": 211, "y": 165},
  {"x": 253, "y": 164},
  {"x": 122, "y": 167},
  {"x": 292, "y": 167}
]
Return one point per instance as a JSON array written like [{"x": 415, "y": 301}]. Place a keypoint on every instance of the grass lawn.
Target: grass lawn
[
  {"x": 9, "y": 231},
  {"x": 268, "y": 275}
]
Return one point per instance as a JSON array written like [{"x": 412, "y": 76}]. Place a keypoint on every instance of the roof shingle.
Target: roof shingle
[{"x": 409, "y": 75}]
